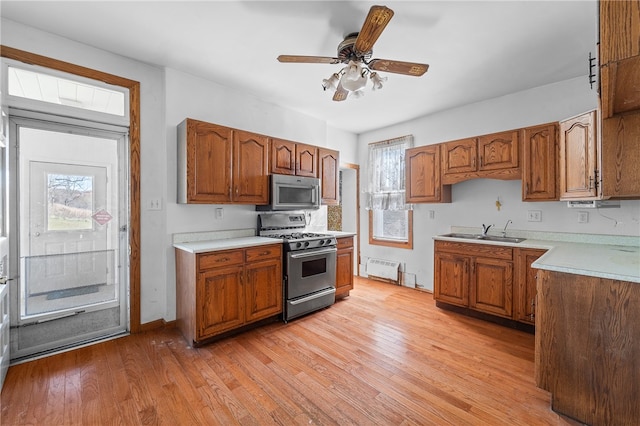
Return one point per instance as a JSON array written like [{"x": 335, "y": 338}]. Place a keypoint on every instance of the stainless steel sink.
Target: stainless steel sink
[{"x": 485, "y": 237}]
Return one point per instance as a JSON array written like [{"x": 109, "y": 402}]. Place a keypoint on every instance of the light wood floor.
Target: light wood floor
[{"x": 385, "y": 356}]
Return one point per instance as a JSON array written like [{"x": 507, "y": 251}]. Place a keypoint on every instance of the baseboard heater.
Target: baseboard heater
[{"x": 384, "y": 270}]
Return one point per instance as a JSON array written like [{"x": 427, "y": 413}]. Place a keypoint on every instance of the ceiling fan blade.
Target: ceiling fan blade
[
  {"x": 341, "y": 93},
  {"x": 308, "y": 59},
  {"x": 398, "y": 67},
  {"x": 377, "y": 20}
]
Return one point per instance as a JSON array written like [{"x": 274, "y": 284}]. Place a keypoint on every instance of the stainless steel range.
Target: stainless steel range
[{"x": 309, "y": 263}]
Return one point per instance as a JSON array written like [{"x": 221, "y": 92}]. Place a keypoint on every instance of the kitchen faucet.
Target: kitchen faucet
[
  {"x": 485, "y": 229},
  {"x": 504, "y": 231}
]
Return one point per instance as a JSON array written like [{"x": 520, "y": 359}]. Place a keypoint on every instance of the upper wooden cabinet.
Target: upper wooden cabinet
[
  {"x": 250, "y": 168},
  {"x": 293, "y": 158},
  {"x": 306, "y": 160},
  {"x": 329, "y": 173},
  {"x": 619, "y": 57},
  {"x": 619, "y": 30},
  {"x": 493, "y": 156},
  {"x": 218, "y": 165},
  {"x": 593, "y": 168},
  {"x": 422, "y": 180},
  {"x": 283, "y": 157},
  {"x": 540, "y": 163},
  {"x": 578, "y": 150},
  {"x": 499, "y": 151},
  {"x": 204, "y": 162}
]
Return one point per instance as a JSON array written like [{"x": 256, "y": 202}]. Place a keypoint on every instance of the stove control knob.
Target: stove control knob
[
  {"x": 306, "y": 243},
  {"x": 298, "y": 244}
]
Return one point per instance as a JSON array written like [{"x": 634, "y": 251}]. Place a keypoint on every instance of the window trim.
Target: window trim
[{"x": 393, "y": 243}]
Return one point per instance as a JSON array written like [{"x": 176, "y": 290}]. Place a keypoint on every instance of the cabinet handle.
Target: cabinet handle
[
  {"x": 481, "y": 161},
  {"x": 236, "y": 189},
  {"x": 474, "y": 163},
  {"x": 590, "y": 183},
  {"x": 526, "y": 189},
  {"x": 223, "y": 259},
  {"x": 264, "y": 253}
]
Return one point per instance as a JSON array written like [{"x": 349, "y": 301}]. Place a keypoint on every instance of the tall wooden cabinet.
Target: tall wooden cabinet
[
  {"x": 344, "y": 266},
  {"x": 422, "y": 180},
  {"x": 219, "y": 165},
  {"x": 540, "y": 163},
  {"x": 220, "y": 291}
]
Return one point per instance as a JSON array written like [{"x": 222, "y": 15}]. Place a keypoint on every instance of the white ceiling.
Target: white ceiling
[{"x": 476, "y": 50}]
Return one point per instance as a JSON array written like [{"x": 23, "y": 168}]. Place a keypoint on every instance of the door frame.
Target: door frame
[{"x": 134, "y": 159}]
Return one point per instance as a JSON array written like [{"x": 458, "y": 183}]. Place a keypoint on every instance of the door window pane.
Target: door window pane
[{"x": 70, "y": 202}]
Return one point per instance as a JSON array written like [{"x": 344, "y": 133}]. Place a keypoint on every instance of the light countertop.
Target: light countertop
[
  {"x": 339, "y": 234},
  {"x": 225, "y": 244},
  {"x": 592, "y": 258}
]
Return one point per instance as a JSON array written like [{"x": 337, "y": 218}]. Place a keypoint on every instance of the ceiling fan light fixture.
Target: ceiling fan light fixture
[
  {"x": 331, "y": 83},
  {"x": 377, "y": 80},
  {"x": 354, "y": 77}
]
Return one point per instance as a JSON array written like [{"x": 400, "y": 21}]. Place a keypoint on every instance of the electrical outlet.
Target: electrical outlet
[
  {"x": 534, "y": 215},
  {"x": 155, "y": 204},
  {"x": 432, "y": 214},
  {"x": 583, "y": 217},
  {"x": 219, "y": 213}
]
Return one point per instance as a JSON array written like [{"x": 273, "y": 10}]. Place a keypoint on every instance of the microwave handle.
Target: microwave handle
[{"x": 314, "y": 194}]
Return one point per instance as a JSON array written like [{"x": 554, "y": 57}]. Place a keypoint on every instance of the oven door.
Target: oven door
[{"x": 309, "y": 271}]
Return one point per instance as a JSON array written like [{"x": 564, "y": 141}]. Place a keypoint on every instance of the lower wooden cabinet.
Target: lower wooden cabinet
[
  {"x": 220, "y": 291},
  {"x": 492, "y": 279},
  {"x": 344, "y": 267}
]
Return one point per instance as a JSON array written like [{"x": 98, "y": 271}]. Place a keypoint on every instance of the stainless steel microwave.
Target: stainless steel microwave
[{"x": 293, "y": 193}]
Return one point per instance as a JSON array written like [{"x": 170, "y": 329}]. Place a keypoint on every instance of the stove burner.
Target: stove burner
[{"x": 299, "y": 235}]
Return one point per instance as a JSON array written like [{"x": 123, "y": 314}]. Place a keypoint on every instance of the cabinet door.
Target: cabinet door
[
  {"x": 459, "y": 156},
  {"x": 621, "y": 156},
  {"x": 422, "y": 180},
  {"x": 208, "y": 163},
  {"x": 329, "y": 173},
  {"x": 306, "y": 160},
  {"x": 219, "y": 301},
  {"x": 525, "y": 289},
  {"x": 451, "y": 279},
  {"x": 492, "y": 287},
  {"x": 251, "y": 171},
  {"x": 283, "y": 157},
  {"x": 578, "y": 166},
  {"x": 619, "y": 30},
  {"x": 263, "y": 289},
  {"x": 539, "y": 163},
  {"x": 498, "y": 151},
  {"x": 344, "y": 267}
]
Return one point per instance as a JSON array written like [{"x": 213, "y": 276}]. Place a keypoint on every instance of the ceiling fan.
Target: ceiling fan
[{"x": 355, "y": 51}]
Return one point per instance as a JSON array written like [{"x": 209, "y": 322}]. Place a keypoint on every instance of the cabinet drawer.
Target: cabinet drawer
[
  {"x": 484, "y": 250},
  {"x": 345, "y": 242},
  {"x": 218, "y": 259},
  {"x": 263, "y": 252}
]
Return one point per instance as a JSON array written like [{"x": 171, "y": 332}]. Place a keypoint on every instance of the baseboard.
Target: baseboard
[{"x": 154, "y": 325}]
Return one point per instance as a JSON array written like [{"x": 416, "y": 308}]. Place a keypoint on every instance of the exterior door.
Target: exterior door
[{"x": 72, "y": 240}]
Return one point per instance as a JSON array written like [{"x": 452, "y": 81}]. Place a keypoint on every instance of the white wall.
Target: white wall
[{"x": 474, "y": 201}]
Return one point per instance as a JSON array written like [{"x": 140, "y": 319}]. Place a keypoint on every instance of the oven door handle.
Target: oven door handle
[{"x": 312, "y": 252}]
